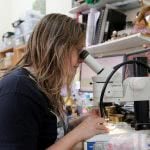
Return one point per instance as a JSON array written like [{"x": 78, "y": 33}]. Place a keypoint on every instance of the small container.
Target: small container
[
  {"x": 116, "y": 118},
  {"x": 17, "y": 26},
  {"x": 110, "y": 110},
  {"x": 19, "y": 38},
  {"x": 8, "y": 39}
]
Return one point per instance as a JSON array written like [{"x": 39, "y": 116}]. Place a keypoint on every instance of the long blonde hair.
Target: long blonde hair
[{"x": 48, "y": 52}]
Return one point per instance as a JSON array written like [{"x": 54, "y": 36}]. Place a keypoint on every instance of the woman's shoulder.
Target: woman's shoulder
[
  {"x": 18, "y": 81},
  {"x": 13, "y": 78}
]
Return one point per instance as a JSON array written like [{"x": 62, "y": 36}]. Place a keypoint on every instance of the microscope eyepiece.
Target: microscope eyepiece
[{"x": 84, "y": 54}]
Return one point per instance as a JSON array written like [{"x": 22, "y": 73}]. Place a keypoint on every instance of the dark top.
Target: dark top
[{"x": 26, "y": 122}]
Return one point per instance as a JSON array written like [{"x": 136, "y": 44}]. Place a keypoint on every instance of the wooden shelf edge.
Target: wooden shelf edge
[{"x": 7, "y": 50}]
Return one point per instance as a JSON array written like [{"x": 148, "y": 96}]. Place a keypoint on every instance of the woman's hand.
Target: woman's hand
[
  {"x": 92, "y": 112},
  {"x": 91, "y": 126}
]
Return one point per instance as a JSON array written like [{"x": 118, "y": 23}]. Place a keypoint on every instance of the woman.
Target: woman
[{"x": 31, "y": 107}]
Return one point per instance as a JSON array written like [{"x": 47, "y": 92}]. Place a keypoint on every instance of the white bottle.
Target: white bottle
[{"x": 91, "y": 26}]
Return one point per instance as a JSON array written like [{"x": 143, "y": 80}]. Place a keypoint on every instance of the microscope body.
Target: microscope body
[{"x": 133, "y": 89}]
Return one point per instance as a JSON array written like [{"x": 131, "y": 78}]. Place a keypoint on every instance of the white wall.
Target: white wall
[
  {"x": 19, "y": 7},
  {"x": 5, "y": 16},
  {"x": 58, "y": 6},
  {"x": 10, "y": 11}
]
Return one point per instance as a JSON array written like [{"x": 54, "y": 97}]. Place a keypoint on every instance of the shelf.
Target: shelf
[
  {"x": 7, "y": 50},
  {"x": 11, "y": 49},
  {"x": 121, "y": 46},
  {"x": 127, "y": 5},
  {"x": 86, "y": 6},
  {"x": 120, "y": 4},
  {"x": 4, "y": 51},
  {"x": 17, "y": 55}
]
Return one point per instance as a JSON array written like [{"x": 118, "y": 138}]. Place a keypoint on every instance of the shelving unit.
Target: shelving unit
[
  {"x": 125, "y": 45},
  {"x": 120, "y": 46}
]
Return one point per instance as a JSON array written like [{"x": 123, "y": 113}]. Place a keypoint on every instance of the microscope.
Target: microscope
[{"x": 109, "y": 87}]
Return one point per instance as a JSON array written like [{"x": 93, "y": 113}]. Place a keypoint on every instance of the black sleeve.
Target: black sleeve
[{"x": 19, "y": 122}]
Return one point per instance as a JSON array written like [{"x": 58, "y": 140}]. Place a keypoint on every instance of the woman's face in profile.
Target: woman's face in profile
[{"x": 75, "y": 60}]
